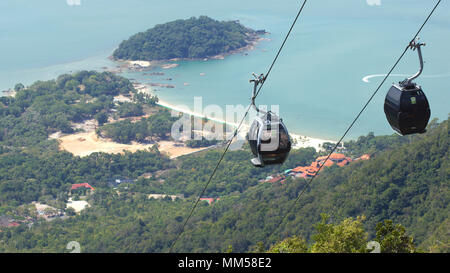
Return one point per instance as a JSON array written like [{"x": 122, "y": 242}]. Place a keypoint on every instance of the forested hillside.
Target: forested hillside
[
  {"x": 348, "y": 236},
  {"x": 406, "y": 181},
  {"x": 46, "y": 107},
  {"x": 192, "y": 38},
  {"x": 32, "y": 168}
]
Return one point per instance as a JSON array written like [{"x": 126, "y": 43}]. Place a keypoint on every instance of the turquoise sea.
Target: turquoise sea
[{"x": 317, "y": 81}]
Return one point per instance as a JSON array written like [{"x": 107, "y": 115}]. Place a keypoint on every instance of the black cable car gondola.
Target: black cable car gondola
[
  {"x": 406, "y": 106},
  {"x": 268, "y": 136}
]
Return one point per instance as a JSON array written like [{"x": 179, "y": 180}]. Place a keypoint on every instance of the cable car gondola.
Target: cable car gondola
[
  {"x": 406, "y": 106},
  {"x": 268, "y": 136}
]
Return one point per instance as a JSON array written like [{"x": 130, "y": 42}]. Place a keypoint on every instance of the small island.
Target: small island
[{"x": 194, "y": 38}]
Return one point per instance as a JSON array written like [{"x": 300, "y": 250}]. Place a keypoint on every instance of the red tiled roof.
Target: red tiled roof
[
  {"x": 321, "y": 158},
  {"x": 309, "y": 171},
  {"x": 298, "y": 169},
  {"x": 365, "y": 157},
  {"x": 337, "y": 156},
  {"x": 209, "y": 200},
  {"x": 85, "y": 185},
  {"x": 275, "y": 179},
  {"x": 342, "y": 163},
  {"x": 328, "y": 163},
  {"x": 301, "y": 169}
]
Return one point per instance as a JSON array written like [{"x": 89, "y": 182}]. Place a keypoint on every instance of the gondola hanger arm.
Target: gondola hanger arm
[
  {"x": 415, "y": 44},
  {"x": 256, "y": 82}
]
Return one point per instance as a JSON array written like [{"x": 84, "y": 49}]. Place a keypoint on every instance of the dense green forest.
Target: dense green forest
[
  {"x": 129, "y": 109},
  {"x": 31, "y": 166},
  {"x": 192, "y": 38},
  {"x": 46, "y": 107},
  {"x": 348, "y": 236},
  {"x": 27, "y": 177},
  {"x": 406, "y": 182},
  {"x": 158, "y": 125}
]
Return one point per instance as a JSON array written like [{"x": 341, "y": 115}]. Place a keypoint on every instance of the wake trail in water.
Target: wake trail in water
[{"x": 368, "y": 77}]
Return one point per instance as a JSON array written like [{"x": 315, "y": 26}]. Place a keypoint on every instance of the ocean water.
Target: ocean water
[{"x": 318, "y": 82}]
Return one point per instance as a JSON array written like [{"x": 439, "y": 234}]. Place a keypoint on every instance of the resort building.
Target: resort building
[
  {"x": 335, "y": 158},
  {"x": 82, "y": 185},
  {"x": 309, "y": 171},
  {"x": 162, "y": 196},
  {"x": 210, "y": 200}
]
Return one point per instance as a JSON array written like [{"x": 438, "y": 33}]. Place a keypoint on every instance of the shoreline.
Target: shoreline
[
  {"x": 144, "y": 65},
  {"x": 301, "y": 141}
]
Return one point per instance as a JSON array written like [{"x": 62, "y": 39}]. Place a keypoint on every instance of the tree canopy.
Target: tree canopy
[
  {"x": 46, "y": 107},
  {"x": 402, "y": 191},
  {"x": 349, "y": 236},
  {"x": 192, "y": 38}
]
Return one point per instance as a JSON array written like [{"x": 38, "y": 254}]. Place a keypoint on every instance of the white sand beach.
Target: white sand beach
[
  {"x": 85, "y": 143},
  {"x": 300, "y": 141},
  {"x": 139, "y": 63}
]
